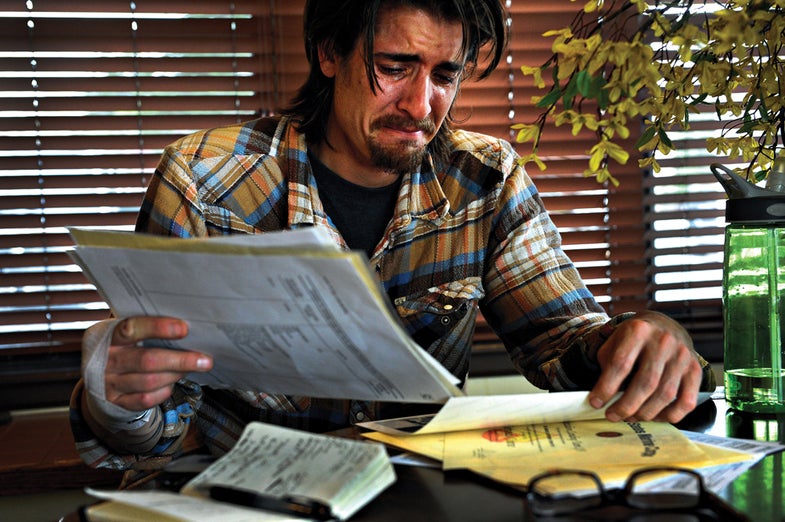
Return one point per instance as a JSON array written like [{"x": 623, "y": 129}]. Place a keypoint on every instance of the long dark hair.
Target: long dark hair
[{"x": 337, "y": 26}]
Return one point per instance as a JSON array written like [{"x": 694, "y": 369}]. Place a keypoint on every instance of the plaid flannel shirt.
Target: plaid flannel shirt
[{"x": 467, "y": 236}]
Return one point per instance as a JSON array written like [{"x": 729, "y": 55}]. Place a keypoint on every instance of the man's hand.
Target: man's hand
[
  {"x": 138, "y": 378},
  {"x": 655, "y": 353}
]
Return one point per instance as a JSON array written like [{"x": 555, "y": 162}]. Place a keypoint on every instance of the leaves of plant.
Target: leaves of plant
[
  {"x": 664, "y": 138},
  {"x": 646, "y": 137},
  {"x": 569, "y": 92},
  {"x": 550, "y": 98}
]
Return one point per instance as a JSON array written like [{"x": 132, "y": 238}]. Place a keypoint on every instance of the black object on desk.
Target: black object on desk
[
  {"x": 543, "y": 497},
  {"x": 289, "y": 505}
]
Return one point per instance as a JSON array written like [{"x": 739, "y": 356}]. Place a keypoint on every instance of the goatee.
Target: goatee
[{"x": 406, "y": 156}]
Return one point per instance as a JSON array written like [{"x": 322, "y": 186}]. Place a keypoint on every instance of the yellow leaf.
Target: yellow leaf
[
  {"x": 535, "y": 73},
  {"x": 532, "y": 158},
  {"x": 596, "y": 158},
  {"x": 616, "y": 152},
  {"x": 593, "y": 5},
  {"x": 526, "y": 132},
  {"x": 565, "y": 33}
]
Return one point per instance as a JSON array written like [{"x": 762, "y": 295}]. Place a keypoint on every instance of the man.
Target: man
[{"x": 449, "y": 219}]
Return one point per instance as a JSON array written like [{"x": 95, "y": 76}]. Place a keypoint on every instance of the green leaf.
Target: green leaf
[
  {"x": 597, "y": 87},
  {"x": 583, "y": 83},
  {"x": 550, "y": 98},
  {"x": 646, "y": 137},
  {"x": 664, "y": 138},
  {"x": 763, "y": 110},
  {"x": 680, "y": 21},
  {"x": 750, "y": 102},
  {"x": 569, "y": 93},
  {"x": 699, "y": 99},
  {"x": 603, "y": 99}
]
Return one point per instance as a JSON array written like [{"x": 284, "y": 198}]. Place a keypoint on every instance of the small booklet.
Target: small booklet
[
  {"x": 272, "y": 473},
  {"x": 281, "y": 312}
]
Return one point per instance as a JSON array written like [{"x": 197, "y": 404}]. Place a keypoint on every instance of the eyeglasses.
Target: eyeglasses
[{"x": 568, "y": 491}]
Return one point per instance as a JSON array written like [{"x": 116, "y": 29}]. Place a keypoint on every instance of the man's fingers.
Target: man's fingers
[
  {"x": 676, "y": 393},
  {"x": 687, "y": 398},
  {"x": 617, "y": 365},
  {"x": 664, "y": 386},
  {"x": 678, "y": 409},
  {"x": 141, "y": 383},
  {"x": 650, "y": 386},
  {"x": 126, "y": 357},
  {"x": 660, "y": 368},
  {"x": 139, "y": 378},
  {"x": 132, "y": 330},
  {"x": 141, "y": 401},
  {"x": 137, "y": 360}
]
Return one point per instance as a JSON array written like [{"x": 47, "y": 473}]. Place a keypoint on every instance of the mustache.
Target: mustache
[{"x": 394, "y": 120}]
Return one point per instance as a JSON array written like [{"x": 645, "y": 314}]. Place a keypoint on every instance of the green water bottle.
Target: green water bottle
[{"x": 753, "y": 290}]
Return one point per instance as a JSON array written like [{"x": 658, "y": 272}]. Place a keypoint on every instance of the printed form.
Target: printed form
[{"x": 281, "y": 312}]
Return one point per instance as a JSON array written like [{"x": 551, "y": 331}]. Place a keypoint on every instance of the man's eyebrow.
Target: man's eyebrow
[{"x": 409, "y": 58}]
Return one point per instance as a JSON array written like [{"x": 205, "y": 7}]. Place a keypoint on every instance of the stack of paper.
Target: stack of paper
[
  {"x": 281, "y": 312},
  {"x": 275, "y": 465},
  {"x": 511, "y": 438}
]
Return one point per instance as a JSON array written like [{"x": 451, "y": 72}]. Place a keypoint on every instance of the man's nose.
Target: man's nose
[{"x": 416, "y": 99}]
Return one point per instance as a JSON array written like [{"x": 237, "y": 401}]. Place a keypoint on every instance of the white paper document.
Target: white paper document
[
  {"x": 344, "y": 474},
  {"x": 152, "y": 505},
  {"x": 717, "y": 478},
  {"x": 491, "y": 411},
  {"x": 282, "y": 312},
  {"x": 269, "y": 463}
]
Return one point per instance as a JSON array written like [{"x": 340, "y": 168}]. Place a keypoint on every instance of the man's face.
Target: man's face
[{"x": 418, "y": 63}]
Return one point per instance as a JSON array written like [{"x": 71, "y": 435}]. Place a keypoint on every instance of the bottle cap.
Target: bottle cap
[{"x": 748, "y": 203}]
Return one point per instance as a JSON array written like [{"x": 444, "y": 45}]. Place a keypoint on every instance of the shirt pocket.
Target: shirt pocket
[{"x": 440, "y": 308}]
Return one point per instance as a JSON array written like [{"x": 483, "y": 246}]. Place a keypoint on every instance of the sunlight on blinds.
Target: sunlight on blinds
[
  {"x": 91, "y": 92},
  {"x": 686, "y": 210}
]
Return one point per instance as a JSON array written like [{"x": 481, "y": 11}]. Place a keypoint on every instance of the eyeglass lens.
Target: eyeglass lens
[
  {"x": 663, "y": 489},
  {"x": 572, "y": 491},
  {"x": 564, "y": 493}
]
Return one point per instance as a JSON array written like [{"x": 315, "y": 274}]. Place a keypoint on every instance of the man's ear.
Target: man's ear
[{"x": 327, "y": 62}]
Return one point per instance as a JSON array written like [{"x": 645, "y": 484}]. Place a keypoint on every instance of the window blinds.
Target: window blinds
[{"x": 92, "y": 92}]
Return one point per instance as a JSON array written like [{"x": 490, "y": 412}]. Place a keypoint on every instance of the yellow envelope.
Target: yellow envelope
[
  {"x": 513, "y": 455},
  {"x": 588, "y": 444}
]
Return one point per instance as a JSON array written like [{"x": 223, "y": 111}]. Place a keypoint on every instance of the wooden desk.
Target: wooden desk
[
  {"x": 38, "y": 454},
  {"x": 424, "y": 494}
]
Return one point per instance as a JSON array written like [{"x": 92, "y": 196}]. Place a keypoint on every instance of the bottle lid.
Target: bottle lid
[{"x": 748, "y": 203}]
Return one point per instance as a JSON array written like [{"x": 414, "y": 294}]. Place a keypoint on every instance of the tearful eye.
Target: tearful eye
[
  {"x": 445, "y": 79},
  {"x": 390, "y": 70}
]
